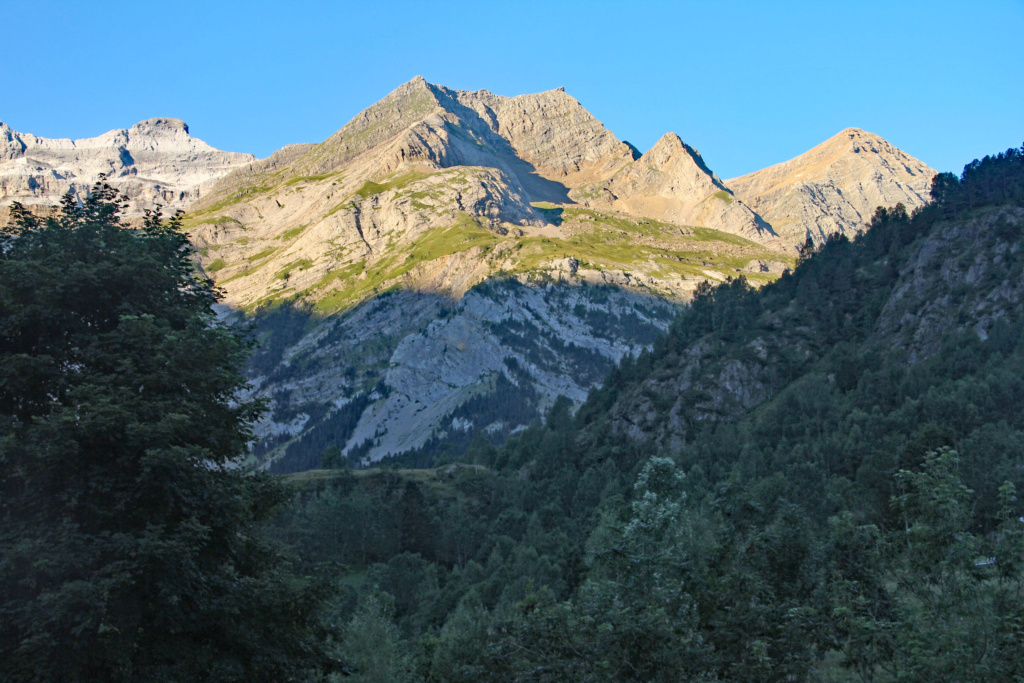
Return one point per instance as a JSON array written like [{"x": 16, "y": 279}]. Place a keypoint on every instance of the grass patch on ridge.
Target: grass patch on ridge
[
  {"x": 292, "y": 234},
  {"x": 263, "y": 254},
  {"x": 371, "y": 188},
  {"x": 308, "y": 178},
  {"x": 465, "y": 234}
]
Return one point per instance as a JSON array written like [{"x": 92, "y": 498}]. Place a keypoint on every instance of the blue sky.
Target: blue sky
[{"x": 749, "y": 84}]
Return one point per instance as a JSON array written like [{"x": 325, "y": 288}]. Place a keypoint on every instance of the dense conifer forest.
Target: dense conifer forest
[
  {"x": 854, "y": 517},
  {"x": 812, "y": 481}
]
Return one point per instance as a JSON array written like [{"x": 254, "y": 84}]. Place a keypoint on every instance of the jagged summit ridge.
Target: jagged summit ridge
[
  {"x": 156, "y": 161},
  {"x": 546, "y": 145},
  {"x": 534, "y": 138},
  {"x": 671, "y": 182},
  {"x": 405, "y": 106},
  {"x": 428, "y": 157},
  {"x": 552, "y": 131}
]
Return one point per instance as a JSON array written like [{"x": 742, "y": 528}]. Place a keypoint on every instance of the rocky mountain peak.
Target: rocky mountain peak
[
  {"x": 671, "y": 154},
  {"x": 11, "y": 144},
  {"x": 155, "y": 162},
  {"x": 835, "y": 186},
  {"x": 671, "y": 182},
  {"x": 159, "y": 126},
  {"x": 667, "y": 146},
  {"x": 378, "y": 124},
  {"x": 853, "y": 141},
  {"x": 163, "y": 135},
  {"x": 547, "y": 136}
]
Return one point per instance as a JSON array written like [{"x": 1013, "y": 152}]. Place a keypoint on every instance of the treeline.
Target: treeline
[
  {"x": 990, "y": 181},
  {"x": 862, "y": 523}
]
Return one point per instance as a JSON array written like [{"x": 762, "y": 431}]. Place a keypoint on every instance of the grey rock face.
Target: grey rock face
[
  {"x": 959, "y": 278},
  {"x": 407, "y": 369},
  {"x": 966, "y": 276},
  {"x": 155, "y": 162},
  {"x": 702, "y": 384}
]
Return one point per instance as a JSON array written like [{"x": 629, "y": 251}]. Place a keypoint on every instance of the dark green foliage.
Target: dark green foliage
[
  {"x": 332, "y": 458},
  {"x": 859, "y": 522},
  {"x": 929, "y": 600},
  {"x": 277, "y": 329},
  {"x": 374, "y": 645},
  {"x": 129, "y": 541},
  {"x": 992, "y": 181},
  {"x": 331, "y": 431}
]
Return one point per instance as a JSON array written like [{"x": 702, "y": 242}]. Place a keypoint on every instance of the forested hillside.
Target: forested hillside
[{"x": 816, "y": 480}]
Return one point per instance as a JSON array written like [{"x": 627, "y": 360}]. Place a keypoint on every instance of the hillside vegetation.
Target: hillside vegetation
[
  {"x": 815, "y": 480},
  {"x": 381, "y": 265}
]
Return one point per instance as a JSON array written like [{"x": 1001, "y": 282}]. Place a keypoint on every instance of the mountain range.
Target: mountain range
[{"x": 450, "y": 262}]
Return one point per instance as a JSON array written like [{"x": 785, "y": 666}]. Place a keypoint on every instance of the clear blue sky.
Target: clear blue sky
[{"x": 749, "y": 84}]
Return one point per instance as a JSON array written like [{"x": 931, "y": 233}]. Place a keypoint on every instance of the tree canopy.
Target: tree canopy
[{"x": 130, "y": 540}]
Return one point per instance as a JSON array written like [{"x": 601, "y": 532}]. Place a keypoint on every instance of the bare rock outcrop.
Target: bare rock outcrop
[
  {"x": 671, "y": 182},
  {"x": 545, "y": 142},
  {"x": 962, "y": 276},
  {"x": 834, "y": 187},
  {"x": 553, "y": 132},
  {"x": 155, "y": 162}
]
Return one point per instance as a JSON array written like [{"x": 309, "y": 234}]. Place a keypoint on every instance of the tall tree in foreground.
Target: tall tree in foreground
[{"x": 129, "y": 540}]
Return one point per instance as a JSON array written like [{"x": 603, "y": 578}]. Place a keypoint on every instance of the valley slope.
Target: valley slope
[
  {"x": 450, "y": 262},
  {"x": 813, "y": 480}
]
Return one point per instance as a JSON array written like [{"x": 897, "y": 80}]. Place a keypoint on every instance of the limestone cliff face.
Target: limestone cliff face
[
  {"x": 154, "y": 162},
  {"x": 834, "y": 187},
  {"x": 407, "y": 369},
  {"x": 965, "y": 275},
  {"x": 552, "y": 132}
]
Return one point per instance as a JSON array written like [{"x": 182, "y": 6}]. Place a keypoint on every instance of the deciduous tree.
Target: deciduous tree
[{"x": 130, "y": 546}]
